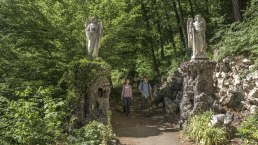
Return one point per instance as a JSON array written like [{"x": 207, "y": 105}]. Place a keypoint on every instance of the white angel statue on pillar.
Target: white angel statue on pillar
[
  {"x": 94, "y": 31},
  {"x": 196, "y": 37}
]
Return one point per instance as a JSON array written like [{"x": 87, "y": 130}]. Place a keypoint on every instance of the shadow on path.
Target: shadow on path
[
  {"x": 138, "y": 128},
  {"x": 138, "y": 132}
]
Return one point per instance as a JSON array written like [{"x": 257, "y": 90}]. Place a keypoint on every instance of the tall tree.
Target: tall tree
[
  {"x": 169, "y": 27},
  {"x": 149, "y": 38},
  {"x": 182, "y": 24},
  {"x": 191, "y": 7},
  {"x": 236, "y": 10},
  {"x": 206, "y": 3},
  {"x": 179, "y": 24}
]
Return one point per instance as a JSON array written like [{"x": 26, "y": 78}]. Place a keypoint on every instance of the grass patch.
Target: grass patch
[
  {"x": 249, "y": 130},
  {"x": 198, "y": 130}
]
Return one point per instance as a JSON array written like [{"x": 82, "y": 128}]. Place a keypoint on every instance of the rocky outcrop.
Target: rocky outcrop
[
  {"x": 221, "y": 119},
  {"x": 198, "y": 88},
  {"x": 89, "y": 90},
  {"x": 236, "y": 82},
  {"x": 172, "y": 87},
  {"x": 202, "y": 85},
  {"x": 170, "y": 106},
  {"x": 170, "y": 93}
]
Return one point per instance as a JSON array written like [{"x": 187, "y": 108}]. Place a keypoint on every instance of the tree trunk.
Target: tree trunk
[
  {"x": 172, "y": 40},
  {"x": 161, "y": 42},
  {"x": 170, "y": 32},
  {"x": 145, "y": 17},
  {"x": 161, "y": 38},
  {"x": 178, "y": 24},
  {"x": 236, "y": 10},
  {"x": 191, "y": 6},
  {"x": 181, "y": 18},
  {"x": 173, "y": 45},
  {"x": 206, "y": 7}
]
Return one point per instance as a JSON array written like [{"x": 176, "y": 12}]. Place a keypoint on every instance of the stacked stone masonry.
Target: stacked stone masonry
[{"x": 236, "y": 82}]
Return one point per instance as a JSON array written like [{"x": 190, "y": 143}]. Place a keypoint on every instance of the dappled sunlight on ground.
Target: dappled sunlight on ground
[{"x": 143, "y": 127}]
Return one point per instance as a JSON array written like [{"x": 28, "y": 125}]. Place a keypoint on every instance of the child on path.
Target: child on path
[{"x": 127, "y": 96}]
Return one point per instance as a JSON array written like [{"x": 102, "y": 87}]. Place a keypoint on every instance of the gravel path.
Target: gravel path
[{"x": 140, "y": 129}]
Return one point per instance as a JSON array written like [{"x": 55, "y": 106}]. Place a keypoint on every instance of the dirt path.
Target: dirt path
[{"x": 140, "y": 129}]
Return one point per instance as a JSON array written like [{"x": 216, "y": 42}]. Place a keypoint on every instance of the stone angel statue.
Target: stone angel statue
[
  {"x": 196, "y": 37},
  {"x": 94, "y": 31}
]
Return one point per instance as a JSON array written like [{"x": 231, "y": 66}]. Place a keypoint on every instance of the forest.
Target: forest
[{"x": 40, "y": 41}]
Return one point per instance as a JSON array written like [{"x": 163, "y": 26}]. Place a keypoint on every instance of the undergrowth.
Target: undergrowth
[
  {"x": 239, "y": 38},
  {"x": 249, "y": 130},
  {"x": 198, "y": 130},
  {"x": 93, "y": 133}
]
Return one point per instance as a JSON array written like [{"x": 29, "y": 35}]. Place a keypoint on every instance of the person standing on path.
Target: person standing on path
[
  {"x": 145, "y": 89},
  {"x": 127, "y": 96}
]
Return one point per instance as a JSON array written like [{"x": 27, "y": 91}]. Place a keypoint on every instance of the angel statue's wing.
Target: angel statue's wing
[
  {"x": 100, "y": 28},
  {"x": 100, "y": 32},
  {"x": 203, "y": 23},
  {"x": 98, "y": 39},
  {"x": 189, "y": 32},
  {"x": 203, "y": 32},
  {"x": 86, "y": 24}
]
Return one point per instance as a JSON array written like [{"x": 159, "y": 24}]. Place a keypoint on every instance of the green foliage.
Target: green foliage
[
  {"x": 34, "y": 118},
  {"x": 42, "y": 44},
  {"x": 198, "y": 129},
  {"x": 94, "y": 133},
  {"x": 83, "y": 73},
  {"x": 175, "y": 64},
  {"x": 81, "y": 76},
  {"x": 239, "y": 38},
  {"x": 37, "y": 41},
  {"x": 87, "y": 71},
  {"x": 118, "y": 76},
  {"x": 249, "y": 130},
  {"x": 144, "y": 67}
]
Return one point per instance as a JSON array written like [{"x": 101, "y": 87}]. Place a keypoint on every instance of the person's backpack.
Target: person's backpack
[{"x": 142, "y": 85}]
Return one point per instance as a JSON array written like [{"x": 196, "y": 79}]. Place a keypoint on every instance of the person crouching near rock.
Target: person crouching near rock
[{"x": 127, "y": 96}]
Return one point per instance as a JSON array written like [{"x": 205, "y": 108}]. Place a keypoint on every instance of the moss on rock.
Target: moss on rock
[{"x": 84, "y": 78}]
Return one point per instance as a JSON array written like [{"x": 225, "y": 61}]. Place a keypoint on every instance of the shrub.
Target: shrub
[
  {"x": 35, "y": 118},
  {"x": 198, "y": 129},
  {"x": 43, "y": 115},
  {"x": 82, "y": 78},
  {"x": 94, "y": 133},
  {"x": 249, "y": 130}
]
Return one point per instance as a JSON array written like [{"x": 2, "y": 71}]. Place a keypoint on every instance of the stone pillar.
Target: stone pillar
[
  {"x": 89, "y": 90},
  {"x": 198, "y": 88}
]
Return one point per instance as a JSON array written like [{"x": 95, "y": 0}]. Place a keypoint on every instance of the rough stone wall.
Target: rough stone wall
[
  {"x": 236, "y": 82},
  {"x": 85, "y": 79},
  {"x": 170, "y": 93},
  {"x": 198, "y": 88},
  {"x": 89, "y": 102}
]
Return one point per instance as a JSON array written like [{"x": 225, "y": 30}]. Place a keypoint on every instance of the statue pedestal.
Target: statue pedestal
[
  {"x": 198, "y": 89},
  {"x": 199, "y": 57},
  {"x": 89, "y": 90}
]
